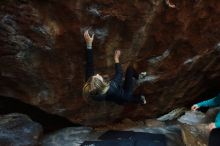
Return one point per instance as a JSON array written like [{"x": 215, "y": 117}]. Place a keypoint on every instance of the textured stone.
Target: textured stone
[
  {"x": 19, "y": 130},
  {"x": 75, "y": 136},
  {"x": 195, "y": 135},
  {"x": 42, "y": 53}
]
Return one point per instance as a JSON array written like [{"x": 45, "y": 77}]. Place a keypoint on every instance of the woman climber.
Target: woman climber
[{"x": 98, "y": 89}]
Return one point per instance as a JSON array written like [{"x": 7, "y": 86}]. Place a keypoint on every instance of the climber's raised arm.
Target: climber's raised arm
[
  {"x": 118, "y": 70},
  {"x": 89, "y": 55}
]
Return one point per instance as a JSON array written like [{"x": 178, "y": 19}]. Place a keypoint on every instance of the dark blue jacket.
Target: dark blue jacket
[{"x": 115, "y": 92}]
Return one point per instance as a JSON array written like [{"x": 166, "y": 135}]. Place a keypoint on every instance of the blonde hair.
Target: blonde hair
[{"x": 93, "y": 87}]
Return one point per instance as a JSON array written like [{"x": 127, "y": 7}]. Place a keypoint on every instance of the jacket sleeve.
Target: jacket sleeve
[
  {"x": 118, "y": 74},
  {"x": 217, "y": 120},
  {"x": 89, "y": 63},
  {"x": 211, "y": 102}
]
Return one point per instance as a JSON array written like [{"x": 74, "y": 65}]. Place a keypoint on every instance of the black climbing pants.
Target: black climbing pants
[{"x": 129, "y": 85}]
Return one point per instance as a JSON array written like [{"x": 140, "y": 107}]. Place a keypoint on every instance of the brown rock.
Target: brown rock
[
  {"x": 196, "y": 135},
  {"x": 154, "y": 123},
  {"x": 42, "y": 53}
]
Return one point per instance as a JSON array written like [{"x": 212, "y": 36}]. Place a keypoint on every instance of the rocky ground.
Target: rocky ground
[
  {"x": 187, "y": 129},
  {"x": 19, "y": 130}
]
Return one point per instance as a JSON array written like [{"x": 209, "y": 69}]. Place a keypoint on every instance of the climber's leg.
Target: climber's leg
[
  {"x": 214, "y": 137},
  {"x": 129, "y": 87}
]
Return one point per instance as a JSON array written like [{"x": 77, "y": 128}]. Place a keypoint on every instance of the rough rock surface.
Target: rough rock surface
[
  {"x": 194, "y": 126},
  {"x": 177, "y": 132},
  {"x": 76, "y": 136},
  {"x": 19, "y": 130},
  {"x": 195, "y": 135},
  {"x": 42, "y": 53}
]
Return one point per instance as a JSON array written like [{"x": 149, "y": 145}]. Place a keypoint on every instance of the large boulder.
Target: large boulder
[
  {"x": 19, "y": 130},
  {"x": 43, "y": 53}
]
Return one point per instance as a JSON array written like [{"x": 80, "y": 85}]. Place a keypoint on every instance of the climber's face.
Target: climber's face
[{"x": 98, "y": 77}]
